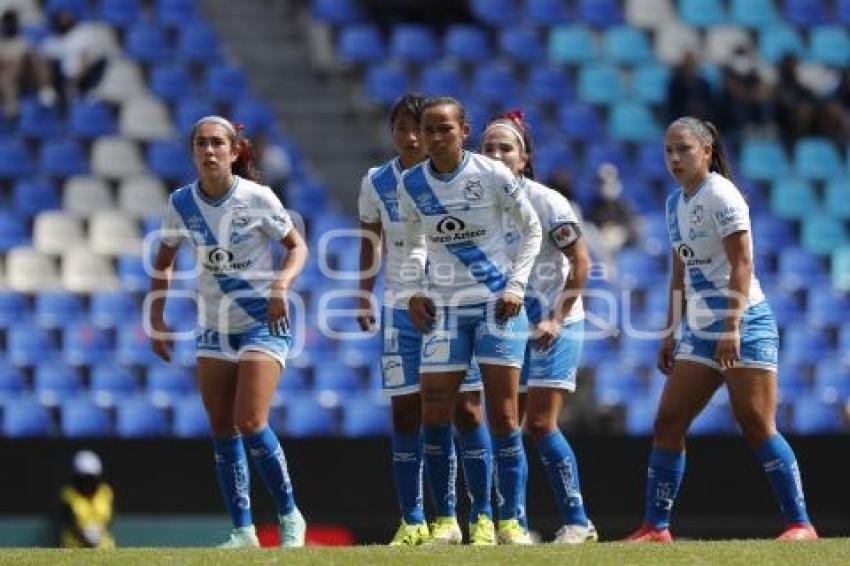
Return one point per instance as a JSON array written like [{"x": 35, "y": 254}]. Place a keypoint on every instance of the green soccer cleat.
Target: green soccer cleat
[
  {"x": 511, "y": 532},
  {"x": 445, "y": 530},
  {"x": 242, "y": 537},
  {"x": 410, "y": 535},
  {"x": 482, "y": 532},
  {"x": 292, "y": 529}
]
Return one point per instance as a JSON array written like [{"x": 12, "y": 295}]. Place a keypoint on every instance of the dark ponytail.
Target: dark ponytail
[{"x": 719, "y": 162}]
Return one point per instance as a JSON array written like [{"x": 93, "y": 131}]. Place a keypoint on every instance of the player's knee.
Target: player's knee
[
  {"x": 467, "y": 417},
  {"x": 669, "y": 427},
  {"x": 249, "y": 424},
  {"x": 756, "y": 427},
  {"x": 538, "y": 427},
  {"x": 502, "y": 423},
  {"x": 406, "y": 421}
]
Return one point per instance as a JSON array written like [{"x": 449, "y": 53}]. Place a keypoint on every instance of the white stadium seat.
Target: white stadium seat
[
  {"x": 122, "y": 80},
  {"x": 86, "y": 194},
  {"x": 142, "y": 196},
  {"x": 721, "y": 42},
  {"x": 84, "y": 271},
  {"x": 145, "y": 118},
  {"x": 674, "y": 41},
  {"x": 649, "y": 14},
  {"x": 30, "y": 271},
  {"x": 112, "y": 232},
  {"x": 55, "y": 231},
  {"x": 116, "y": 157}
]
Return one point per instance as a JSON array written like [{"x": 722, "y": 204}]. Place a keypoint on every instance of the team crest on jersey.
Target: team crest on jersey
[
  {"x": 472, "y": 190},
  {"x": 697, "y": 214},
  {"x": 241, "y": 217},
  {"x": 511, "y": 188}
]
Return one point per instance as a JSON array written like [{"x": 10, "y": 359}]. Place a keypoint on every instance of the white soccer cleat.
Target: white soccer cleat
[
  {"x": 242, "y": 537},
  {"x": 293, "y": 529},
  {"x": 576, "y": 534}
]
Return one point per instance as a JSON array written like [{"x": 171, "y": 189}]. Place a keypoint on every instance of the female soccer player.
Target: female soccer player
[
  {"x": 453, "y": 204},
  {"x": 554, "y": 306},
  {"x": 381, "y": 220},
  {"x": 244, "y": 336},
  {"x": 729, "y": 337}
]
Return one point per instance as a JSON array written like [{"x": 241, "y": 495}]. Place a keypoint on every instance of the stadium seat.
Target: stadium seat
[
  {"x": 626, "y": 45},
  {"x": 467, "y": 44},
  {"x": 495, "y": 83},
  {"x": 84, "y": 271},
  {"x": 837, "y": 197},
  {"x": 120, "y": 13},
  {"x": 55, "y": 231},
  {"x": 12, "y": 382},
  {"x": 147, "y": 42},
  {"x": 778, "y": 40},
  {"x": 615, "y": 383},
  {"x": 549, "y": 85},
  {"x": 82, "y": 418},
  {"x": 86, "y": 194},
  {"x": 175, "y": 13},
  {"x": 522, "y": 45},
  {"x": 168, "y": 159},
  {"x": 411, "y": 43},
  {"x": 15, "y": 160},
  {"x": 794, "y": 199},
  {"x": 226, "y": 83},
  {"x": 384, "y": 84},
  {"x": 770, "y": 231},
  {"x": 122, "y": 80},
  {"x": 133, "y": 346},
  {"x": 53, "y": 382},
  {"x": 799, "y": 268},
  {"x": 171, "y": 81},
  {"x": 649, "y": 84},
  {"x": 823, "y": 235},
  {"x": 305, "y": 417},
  {"x": 721, "y": 42},
  {"x": 115, "y": 233},
  {"x": 62, "y": 158},
  {"x": 145, "y": 118},
  {"x": 830, "y": 45},
  {"x": 572, "y": 45},
  {"x": 599, "y": 13},
  {"x": 763, "y": 160},
  {"x": 143, "y": 196},
  {"x": 31, "y": 196},
  {"x": 599, "y": 84},
  {"x": 254, "y": 114},
  {"x": 674, "y": 41},
  {"x": 715, "y": 418},
  {"x": 841, "y": 269},
  {"x": 13, "y": 231},
  {"x": 825, "y": 306},
  {"x": 57, "y": 309},
  {"x": 551, "y": 157},
  {"x": 89, "y": 120},
  {"x": 198, "y": 43},
  {"x": 336, "y": 12},
  {"x": 546, "y": 13},
  {"x": 109, "y": 308},
  {"x": 812, "y": 416},
  {"x": 360, "y": 44},
  {"x": 84, "y": 344},
  {"x": 441, "y": 79},
  {"x": 110, "y": 381},
  {"x": 26, "y": 418},
  {"x": 495, "y": 13},
  {"x": 702, "y": 13},
  {"x": 132, "y": 273},
  {"x": 805, "y": 13},
  {"x": 37, "y": 121},
  {"x": 168, "y": 382},
  {"x": 640, "y": 415},
  {"x": 14, "y": 308},
  {"x": 832, "y": 379},
  {"x": 649, "y": 14},
  {"x": 333, "y": 376},
  {"x": 633, "y": 122},
  {"x": 785, "y": 305},
  {"x": 753, "y": 13},
  {"x": 363, "y": 416},
  {"x": 138, "y": 417},
  {"x": 293, "y": 380},
  {"x": 817, "y": 159},
  {"x": 28, "y": 271},
  {"x": 842, "y": 11},
  {"x": 801, "y": 344},
  {"x": 116, "y": 157},
  {"x": 190, "y": 418}
]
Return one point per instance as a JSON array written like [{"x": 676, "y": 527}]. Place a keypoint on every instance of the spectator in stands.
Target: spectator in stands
[
  {"x": 244, "y": 335},
  {"x": 85, "y": 512},
  {"x": 21, "y": 66},
  {"x": 615, "y": 220},
  {"x": 688, "y": 92},
  {"x": 561, "y": 180},
  {"x": 274, "y": 162},
  {"x": 77, "y": 53},
  {"x": 746, "y": 99},
  {"x": 730, "y": 336},
  {"x": 796, "y": 104}
]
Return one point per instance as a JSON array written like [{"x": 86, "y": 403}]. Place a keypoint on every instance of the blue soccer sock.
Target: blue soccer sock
[
  {"x": 441, "y": 464},
  {"x": 231, "y": 466},
  {"x": 510, "y": 460},
  {"x": 267, "y": 454},
  {"x": 522, "y": 509},
  {"x": 779, "y": 463},
  {"x": 562, "y": 470},
  {"x": 407, "y": 472},
  {"x": 663, "y": 479},
  {"x": 478, "y": 470}
]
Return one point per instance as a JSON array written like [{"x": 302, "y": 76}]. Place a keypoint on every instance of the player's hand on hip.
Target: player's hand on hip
[
  {"x": 666, "y": 355},
  {"x": 423, "y": 312},
  {"x": 728, "y": 352},
  {"x": 278, "y": 314},
  {"x": 545, "y": 333},
  {"x": 365, "y": 314},
  {"x": 161, "y": 340},
  {"x": 508, "y": 306}
]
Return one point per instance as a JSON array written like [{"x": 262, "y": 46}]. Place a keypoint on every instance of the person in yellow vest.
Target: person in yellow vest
[{"x": 86, "y": 506}]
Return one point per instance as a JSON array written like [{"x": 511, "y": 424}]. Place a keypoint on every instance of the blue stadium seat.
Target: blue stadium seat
[
  {"x": 132, "y": 273},
  {"x": 793, "y": 378},
  {"x": 305, "y": 417},
  {"x": 702, "y": 13},
  {"x": 255, "y": 115},
  {"x": 26, "y": 418},
  {"x": 799, "y": 268},
  {"x": 167, "y": 382},
  {"x": 226, "y": 83},
  {"x": 293, "y": 381},
  {"x": 88, "y": 120},
  {"x": 837, "y": 197},
  {"x": 167, "y": 159},
  {"x": 817, "y": 159},
  {"x": 825, "y": 306},
  {"x": 552, "y": 157},
  {"x": 715, "y": 418},
  {"x": 496, "y": 13},
  {"x": 626, "y": 45},
  {"x": 133, "y": 346},
  {"x": 602, "y": 152},
  {"x": 802, "y": 344},
  {"x": 522, "y": 45},
  {"x": 494, "y": 83},
  {"x": 176, "y": 12},
  {"x": 120, "y": 13},
  {"x": 190, "y": 111},
  {"x": 823, "y": 235},
  {"x": 31, "y": 196},
  {"x": 779, "y": 40},
  {"x": 830, "y": 45},
  {"x": 764, "y": 160},
  {"x": 656, "y": 239},
  {"x": 82, "y": 418},
  {"x": 785, "y": 305},
  {"x": 579, "y": 121},
  {"x": 599, "y": 13},
  {"x": 414, "y": 44},
  {"x": 138, "y": 417},
  {"x": 650, "y": 161},
  {"x": 600, "y": 83},
  {"x": 546, "y": 13},
  {"x": 633, "y": 122},
  {"x": 336, "y": 12},
  {"x": 53, "y": 382},
  {"x": 842, "y": 11},
  {"x": 109, "y": 308},
  {"x": 363, "y": 416},
  {"x": 84, "y": 344},
  {"x": 185, "y": 352},
  {"x": 384, "y": 83},
  {"x": 805, "y": 13},
  {"x": 572, "y": 45},
  {"x": 147, "y": 42},
  {"x": 615, "y": 383},
  {"x": 15, "y": 159},
  {"x": 14, "y": 231},
  {"x": 793, "y": 198},
  {"x": 753, "y": 13},
  {"x": 636, "y": 268},
  {"x": 333, "y": 376},
  {"x": 841, "y": 269},
  {"x": 640, "y": 415},
  {"x": 171, "y": 81},
  {"x": 28, "y": 345},
  {"x": 549, "y": 84},
  {"x": 57, "y": 309},
  {"x": 190, "y": 418},
  {"x": 467, "y": 44},
  {"x": 636, "y": 350},
  {"x": 832, "y": 379},
  {"x": 14, "y": 309},
  {"x": 649, "y": 83},
  {"x": 62, "y": 158},
  {"x": 12, "y": 382},
  {"x": 77, "y": 7},
  {"x": 111, "y": 381},
  {"x": 771, "y": 232},
  {"x": 198, "y": 43},
  {"x": 441, "y": 79},
  {"x": 812, "y": 416},
  {"x": 38, "y": 121},
  {"x": 361, "y": 44}
]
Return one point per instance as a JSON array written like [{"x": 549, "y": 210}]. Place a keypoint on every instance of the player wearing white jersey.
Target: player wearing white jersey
[
  {"x": 729, "y": 336},
  {"x": 453, "y": 204},
  {"x": 230, "y": 220},
  {"x": 554, "y": 305},
  {"x": 382, "y": 223}
]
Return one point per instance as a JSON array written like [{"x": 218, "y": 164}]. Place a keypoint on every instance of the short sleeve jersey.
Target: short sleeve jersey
[{"x": 230, "y": 238}]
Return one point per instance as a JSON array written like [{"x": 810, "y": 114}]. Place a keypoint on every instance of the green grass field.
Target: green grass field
[{"x": 748, "y": 552}]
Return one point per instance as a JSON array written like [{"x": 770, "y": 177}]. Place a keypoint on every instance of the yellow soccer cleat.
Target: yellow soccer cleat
[
  {"x": 511, "y": 532},
  {"x": 482, "y": 532},
  {"x": 410, "y": 535},
  {"x": 445, "y": 530}
]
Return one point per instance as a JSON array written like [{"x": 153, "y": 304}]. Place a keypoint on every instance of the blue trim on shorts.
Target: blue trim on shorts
[
  {"x": 557, "y": 366},
  {"x": 230, "y": 346}
]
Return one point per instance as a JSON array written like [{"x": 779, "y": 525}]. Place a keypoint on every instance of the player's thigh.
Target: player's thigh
[
  {"x": 752, "y": 394},
  {"x": 406, "y": 412},
  {"x": 501, "y": 393},
  {"x": 255, "y": 386},
  {"x": 217, "y": 386},
  {"x": 688, "y": 389}
]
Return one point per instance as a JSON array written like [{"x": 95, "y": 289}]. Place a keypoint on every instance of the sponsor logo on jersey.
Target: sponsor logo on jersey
[
  {"x": 695, "y": 234},
  {"x": 687, "y": 254},
  {"x": 685, "y": 251},
  {"x": 728, "y": 215},
  {"x": 221, "y": 259},
  {"x": 472, "y": 190},
  {"x": 453, "y": 229},
  {"x": 697, "y": 214}
]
